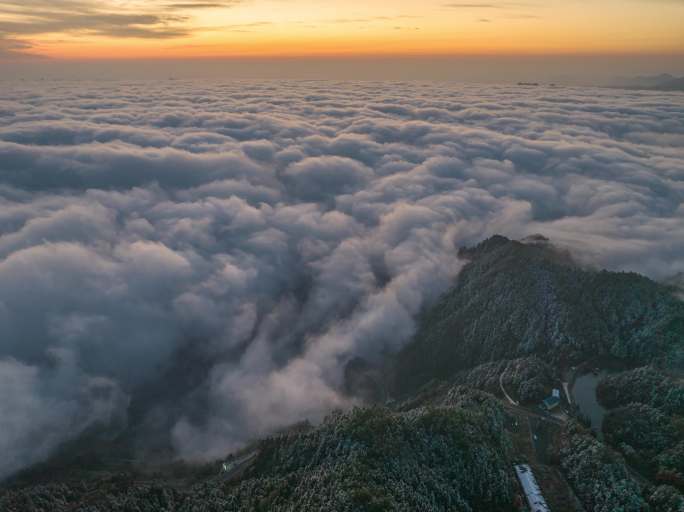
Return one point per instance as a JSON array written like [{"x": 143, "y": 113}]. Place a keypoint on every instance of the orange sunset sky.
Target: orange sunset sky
[{"x": 86, "y": 29}]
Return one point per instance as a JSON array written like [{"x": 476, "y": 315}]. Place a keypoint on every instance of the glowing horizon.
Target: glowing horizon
[{"x": 124, "y": 29}]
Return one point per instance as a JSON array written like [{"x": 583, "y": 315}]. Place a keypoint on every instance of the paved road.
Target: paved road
[
  {"x": 567, "y": 392},
  {"x": 535, "y": 414},
  {"x": 513, "y": 402},
  {"x": 231, "y": 469}
]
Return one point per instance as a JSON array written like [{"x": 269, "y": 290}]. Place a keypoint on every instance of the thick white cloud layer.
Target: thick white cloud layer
[{"x": 275, "y": 230}]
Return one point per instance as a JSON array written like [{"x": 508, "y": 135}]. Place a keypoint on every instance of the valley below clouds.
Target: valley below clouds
[{"x": 253, "y": 237}]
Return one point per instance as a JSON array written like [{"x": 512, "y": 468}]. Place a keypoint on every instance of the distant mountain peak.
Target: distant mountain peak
[{"x": 661, "y": 82}]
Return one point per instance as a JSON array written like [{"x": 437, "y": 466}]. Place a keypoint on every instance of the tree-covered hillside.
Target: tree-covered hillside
[
  {"x": 455, "y": 456},
  {"x": 515, "y": 298},
  {"x": 646, "y": 421}
]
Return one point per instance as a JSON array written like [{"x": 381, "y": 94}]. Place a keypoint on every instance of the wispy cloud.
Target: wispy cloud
[
  {"x": 459, "y": 5},
  {"x": 23, "y": 19},
  {"x": 202, "y": 5},
  {"x": 371, "y": 19},
  {"x": 12, "y": 48},
  {"x": 509, "y": 10},
  {"x": 490, "y": 5}
]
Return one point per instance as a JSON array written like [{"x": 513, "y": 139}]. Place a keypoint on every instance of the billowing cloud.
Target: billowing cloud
[
  {"x": 320, "y": 176},
  {"x": 214, "y": 254},
  {"x": 41, "y": 407}
]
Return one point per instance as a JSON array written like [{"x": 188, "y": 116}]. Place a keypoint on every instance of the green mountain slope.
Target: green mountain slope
[
  {"x": 515, "y": 299},
  {"x": 454, "y": 456}
]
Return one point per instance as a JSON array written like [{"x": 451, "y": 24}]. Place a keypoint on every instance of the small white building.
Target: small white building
[{"x": 529, "y": 484}]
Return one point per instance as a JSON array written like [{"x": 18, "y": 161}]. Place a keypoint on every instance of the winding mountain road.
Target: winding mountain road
[{"x": 508, "y": 397}]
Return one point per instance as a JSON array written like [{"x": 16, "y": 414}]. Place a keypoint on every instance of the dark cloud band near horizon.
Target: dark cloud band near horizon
[{"x": 272, "y": 231}]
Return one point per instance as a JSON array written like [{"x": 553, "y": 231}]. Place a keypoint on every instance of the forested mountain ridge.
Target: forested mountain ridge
[
  {"x": 451, "y": 455},
  {"x": 514, "y": 299}
]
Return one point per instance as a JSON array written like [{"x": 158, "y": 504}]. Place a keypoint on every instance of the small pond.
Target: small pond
[{"x": 584, "y": 395}]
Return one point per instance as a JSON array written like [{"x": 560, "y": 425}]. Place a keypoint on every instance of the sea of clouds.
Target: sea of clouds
[{"x": 250, "y": 238}]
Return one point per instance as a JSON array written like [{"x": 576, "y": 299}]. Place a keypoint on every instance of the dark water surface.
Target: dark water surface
[{"x": 584, "y": 395}]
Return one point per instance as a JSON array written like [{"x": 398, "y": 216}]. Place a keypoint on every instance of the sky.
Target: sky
[{"x": 262, "y": 29}]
